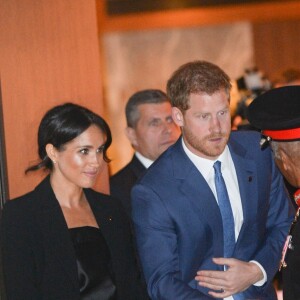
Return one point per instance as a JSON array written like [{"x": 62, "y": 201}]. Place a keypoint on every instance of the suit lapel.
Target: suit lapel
[
  {"x": 247, "y": 180},
  {"x": 137, "y": 167},
  {"x": 197, "y": 191},
  {"x": 56, "y": 235},
  {"x": 103, "y": 214}
]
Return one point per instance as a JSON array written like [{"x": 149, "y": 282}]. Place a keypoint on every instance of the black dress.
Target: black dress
[{"x": 94, "y": 264}]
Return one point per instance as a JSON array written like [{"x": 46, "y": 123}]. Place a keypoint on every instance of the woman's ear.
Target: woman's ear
[
  {"x": 177, "y": 116},
  {"x": 51, "y": 152}
]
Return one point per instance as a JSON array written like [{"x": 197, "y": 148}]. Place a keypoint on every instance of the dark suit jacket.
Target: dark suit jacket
[
  {"x": 122, "y": 182},
  {"x": 38, "y": 255},
  {"x": 120, "y": 187},
  {"x": 291, "y": 274},
  {"x": 178, "y": 222}
]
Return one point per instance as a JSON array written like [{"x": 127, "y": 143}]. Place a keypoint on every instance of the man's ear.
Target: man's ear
[
  {"x": 131, "y": 135},
  {"x": 51, "y": 152},
  {"x": 285, "y": 159},
  {"x": 177, "y": 116}
]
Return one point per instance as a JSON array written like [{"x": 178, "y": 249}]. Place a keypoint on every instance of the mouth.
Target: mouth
[
  {"x": 91, "y": 174},
  {"x": 215, "y": 139},
  {"x": 169, "y": 142}
]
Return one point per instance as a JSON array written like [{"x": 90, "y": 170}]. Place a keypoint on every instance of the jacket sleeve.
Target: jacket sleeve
[
  {"x": 17, "y": 255},
  {"x": 157, "y": 245}
]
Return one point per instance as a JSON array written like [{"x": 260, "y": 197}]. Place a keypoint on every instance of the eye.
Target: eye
[
  {"x": 155, "y": 123},
  {"x": 84, "y": 151},
  {"x": 223, "y": 112},
  {"x": 169, "y": 120},
  {"x": 204, "y": 116},
  {"x": 101, "y": 149}
]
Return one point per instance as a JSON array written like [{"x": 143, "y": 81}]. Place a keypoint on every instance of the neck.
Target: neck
[{"x": 67, "y": 195}]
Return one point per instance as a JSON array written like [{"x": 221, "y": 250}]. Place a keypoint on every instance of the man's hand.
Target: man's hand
[{"x": 239, "y": 275}]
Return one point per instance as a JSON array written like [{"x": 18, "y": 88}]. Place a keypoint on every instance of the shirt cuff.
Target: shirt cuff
[{"x": 264, "y": 280}]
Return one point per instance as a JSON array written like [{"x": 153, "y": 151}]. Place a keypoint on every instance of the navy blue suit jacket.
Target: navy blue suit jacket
[{"x": 179, "y": 227}]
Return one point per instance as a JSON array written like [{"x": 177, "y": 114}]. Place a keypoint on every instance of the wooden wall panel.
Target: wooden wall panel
[
  {"x": 276, "y": 46},
  {"x": 49, "y": 54}
]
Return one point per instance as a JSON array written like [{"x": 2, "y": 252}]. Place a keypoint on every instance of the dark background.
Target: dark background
[{"x": 119, "y": 7}]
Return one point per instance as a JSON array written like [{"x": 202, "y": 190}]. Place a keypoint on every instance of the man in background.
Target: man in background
[
  {"x": 212, "y": 202},
  {"x": 277, "y": 114},
  {"x": 150, "y": 130},
  {"x": 288, "y": 77}
]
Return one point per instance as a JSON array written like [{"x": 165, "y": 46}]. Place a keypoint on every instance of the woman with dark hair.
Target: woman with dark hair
[{"x": 63, "y": 240}]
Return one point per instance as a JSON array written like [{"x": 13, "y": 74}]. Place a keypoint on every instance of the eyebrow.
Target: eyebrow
[
  {"x": 89, "y": 146},
  {"x": 154, "y": 119}
]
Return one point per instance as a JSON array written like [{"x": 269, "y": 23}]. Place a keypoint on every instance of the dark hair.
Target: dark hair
[
  {"x": 196, "y": 77},
  {"x": 63, "y": 123},
  {"x": 290, "y": 75},
  {"x": 142, "y": 97}
]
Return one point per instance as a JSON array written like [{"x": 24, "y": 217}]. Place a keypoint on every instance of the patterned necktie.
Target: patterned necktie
[{"x": 226, "y": 211}]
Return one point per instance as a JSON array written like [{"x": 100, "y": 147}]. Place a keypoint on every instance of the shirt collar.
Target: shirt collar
[
  {"x": 205, "y": 165},
  {"x": 146, "y": 162}
]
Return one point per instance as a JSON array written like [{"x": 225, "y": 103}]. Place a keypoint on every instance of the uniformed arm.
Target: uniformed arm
[
  {"x": 280, "y": 216},
  {"x": 157, "y": 245},
  {"x": 18, "y": 262}
]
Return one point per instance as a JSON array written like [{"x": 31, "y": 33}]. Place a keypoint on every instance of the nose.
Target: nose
[
  {"x": 95, "y": 159},
  {"x": 215, "y": 125},
  {"x": 168, "y": 127}
]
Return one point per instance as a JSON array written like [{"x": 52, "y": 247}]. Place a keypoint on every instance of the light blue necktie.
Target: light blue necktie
[
  {"x": 226, "y": 211},
  {"x": 227, "y": 216}
]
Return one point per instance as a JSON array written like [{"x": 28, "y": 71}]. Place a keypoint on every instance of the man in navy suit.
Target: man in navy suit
[
  {"x": 150, "y": 130},
  {"x": 180, "y": 227}
]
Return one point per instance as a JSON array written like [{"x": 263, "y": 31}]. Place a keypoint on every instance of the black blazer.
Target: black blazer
[
  {"x": 122, "y": 182},
  {"x": 38, "y": 256}
]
